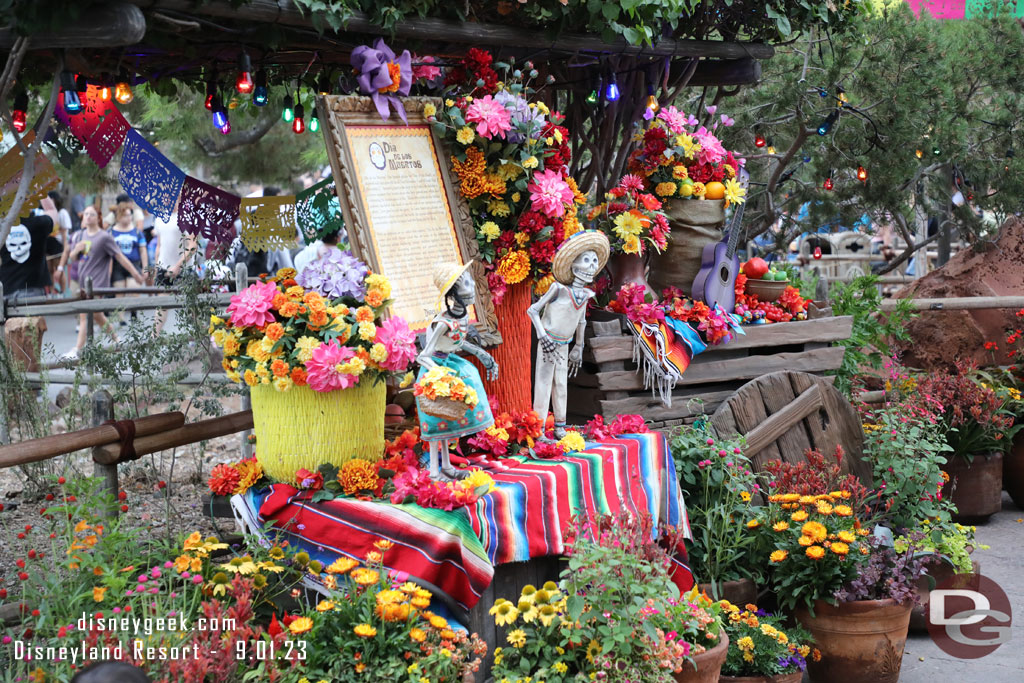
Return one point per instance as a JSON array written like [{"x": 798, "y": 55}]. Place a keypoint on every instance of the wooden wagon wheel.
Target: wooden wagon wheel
[{"x": 783, "y": 414}]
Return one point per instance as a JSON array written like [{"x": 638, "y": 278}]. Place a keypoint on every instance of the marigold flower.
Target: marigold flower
[
  {"x": 779, "y": 556},
  {"x": 798, "y": 516},
  {"x": 839, "y": 548},
  {"x": 815, "y": 552},
  {"x": 363, "y": 630},
  {"x": 342, "y": 565},
  {"x": 418, "y": 635},
  {"x": 843, "y": 510},
  {"x": 805, "y": 541},
  {"x": 815, "y": 530},
  {"x": 365, "y": 577},
  {"x": 780, "y": 526}
]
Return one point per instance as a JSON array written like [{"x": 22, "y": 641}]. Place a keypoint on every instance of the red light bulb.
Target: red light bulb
[
  {"x": 105, "y": 93},
  {"x": 862, "y": 174},
  {"x": 759, "y": 141},
  {"x": 18, "y": 118},
  {"x": 827, "y": 184},
  {"x": 298, "y": 125},
  {"x": 817, "y": 253},
  {"x": 209, "y": 102},
  {"x": 245, "y": 84}
]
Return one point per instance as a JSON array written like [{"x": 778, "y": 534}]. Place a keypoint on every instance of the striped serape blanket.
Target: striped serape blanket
[{"x": 524, "y": 517}]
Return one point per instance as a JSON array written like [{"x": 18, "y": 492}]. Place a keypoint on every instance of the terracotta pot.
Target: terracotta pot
[
  {"x": 1013, "y": 471},
  {"x": 977, "y": 487},
  {"x": 628, "y": 269},
  {"x": 794, "y": 677},
  {"x": 737, "y": 592},
  {"x": 941, "y": 573},
  {"x": 767, "y": 290},
  {"x": 694, "y": 223},
  {"x": 860, "y": 642},
  {"x": 709, "y": 664}
]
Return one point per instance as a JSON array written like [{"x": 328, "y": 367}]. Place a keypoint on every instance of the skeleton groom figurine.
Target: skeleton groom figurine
[
  {"x": 446, "y": 336},
  {"x": 560, "y": 315}
]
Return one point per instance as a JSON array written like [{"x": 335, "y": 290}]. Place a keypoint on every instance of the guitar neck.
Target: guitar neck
[{"x": 734, "y": 222}]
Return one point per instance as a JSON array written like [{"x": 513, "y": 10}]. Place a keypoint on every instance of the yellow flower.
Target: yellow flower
[
  {"x": 449, "y": 102},
  {"x": 465, "y": 135},
  {"x": 847, "y": 537},
  {"x": 780, "y": 526},
  {"x": 572, "y": 441},
  {"x": 504, "y": 613},
  {"x": 305, "y": 346},
  {"x": 429, "y": 110},
  {"x": 476, "y": 479},
  {"x": 679, "y": 172},
  {"x": 631, "y": 244},
  {"x": 497, "y": 207},
  {"x": 746, "y": 643},
  {"x": 745, "y": 496},
  {"x": 375, "y": 282},
  {"x": 665, "y": 189},
  {"x": 342, "y": 565},
  {"x": 300, "y": 625},
  {"x": 779, "y": 556},
  {"x": 363, "y": 630},
  {"x": 517, "y": 638},
  {"x": 699, "y": 190},
  {"x": 815, "y": 552},
  {"x": 354, "y": 366},
  {"x": 514, "y": 267},
  {"x": 547, "y": 614},
  {"x": 438, "y": 622},
  {"x": 689, "y": 145},
  {"x": 490, "y": 231},
  {"x": 378, "y": 353},
  {"x": 530, "y": 162},
  {"x": 325, "y": 606},
  {"x": 734, "y": 194},
  {"x": 843, "y": 510},
  {"x": 628, "y": 223},
  {"x": 823, "y": 508},
  {"x": 840, "y": 548},
  {"x": 753, "y": 524},
  {"x": 367, "y": 331},
  {"x": 406, "y": 380},
  {"x": 283, "y": 383},
  {"x": 418, "y": 635},
  {"x": 364, "y": 577},
  {"x": 97, "y": 593},
  {"x": 814, "y": 530},
  {"x": 543, "y": 108},
  {"x": 798, "y": 516},
  {"x": 805, "y": 541}
]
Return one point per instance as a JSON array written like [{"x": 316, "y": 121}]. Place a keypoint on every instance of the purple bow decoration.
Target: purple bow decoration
[{"x": 376, "y": 79}]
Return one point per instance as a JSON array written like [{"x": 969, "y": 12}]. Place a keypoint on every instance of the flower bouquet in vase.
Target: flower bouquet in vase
[
  {"x": 444, "y": 395},
  {"x": 315, "y": 352}
]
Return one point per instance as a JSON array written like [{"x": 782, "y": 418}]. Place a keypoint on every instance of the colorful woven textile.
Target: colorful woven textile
[{"x": 525, "y": 517}]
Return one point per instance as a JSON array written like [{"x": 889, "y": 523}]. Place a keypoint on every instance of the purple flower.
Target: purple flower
[
  {"x": 336, "y": 274},
  {"x": 526, "y": 122}
]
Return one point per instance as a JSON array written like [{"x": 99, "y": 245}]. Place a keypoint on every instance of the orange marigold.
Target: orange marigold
[
  {"x": 357, "y": 475},
  {"x": 274, "y": 331},
  {"x": 299, "y": 377},
  {"x": 318, "y": 318},
  {"x": 514, "y": 267},
  {"x": 279, "y": 368}
]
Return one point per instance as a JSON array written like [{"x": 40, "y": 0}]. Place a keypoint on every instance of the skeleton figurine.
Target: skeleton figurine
[
  {"x": 446, "y": 337},
  {"x": 559, "y": 315}
]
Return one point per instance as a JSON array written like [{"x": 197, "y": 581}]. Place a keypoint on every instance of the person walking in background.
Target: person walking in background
[
  {"x": 132, "y": 242},
  {"x": 175, "y": 256},
  {"x": 56, "y": 240},
  {"x": 23, "y": 270},
  {"x": 97, "y": 250}
]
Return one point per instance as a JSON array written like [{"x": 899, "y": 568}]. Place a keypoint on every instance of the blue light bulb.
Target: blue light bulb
[
  {"x": 220, "y": 118},
  {"x": 260, "y": 96},
  {"x": 612, "y": 92},
  {"x": 72, "y": 102}
]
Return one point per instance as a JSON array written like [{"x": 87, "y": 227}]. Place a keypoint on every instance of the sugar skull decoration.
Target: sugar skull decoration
[{"x": 19, "y": 243}]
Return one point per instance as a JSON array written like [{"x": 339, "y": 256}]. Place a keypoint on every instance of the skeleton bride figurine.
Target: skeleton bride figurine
[
  {"x": 560, "y": 315},
  {"x": 445, "y": 338}
]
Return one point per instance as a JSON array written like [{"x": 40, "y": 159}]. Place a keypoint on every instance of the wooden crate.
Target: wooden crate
[{"x": 609, "y": 384}]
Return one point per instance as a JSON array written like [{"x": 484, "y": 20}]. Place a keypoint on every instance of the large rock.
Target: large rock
[
  {"x": 24, "y": 337},
  {"x": 941, "y": 337}
]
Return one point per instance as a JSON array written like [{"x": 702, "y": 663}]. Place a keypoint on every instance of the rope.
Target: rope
[{"x": 126, "y": 432}]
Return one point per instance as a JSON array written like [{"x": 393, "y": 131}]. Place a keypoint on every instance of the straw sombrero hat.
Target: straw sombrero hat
[
  {"x": 445, "y": 275},
  {"x": 587, "y": 240}
]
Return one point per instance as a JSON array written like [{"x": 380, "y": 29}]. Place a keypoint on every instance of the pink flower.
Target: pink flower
[
  {"x": 324, "y": 368},
  {"x": 491, "y": 117},
  {"x": 711, "y": 150},
  {"x": 632, "y": 182},
  {"x": 251, "y": 307},
  {"x": 674, "y": 119},
  {"x": 400, "y": 343},
  {"x": 424, "y": 70},
  {"x": 549, "y": 193}
]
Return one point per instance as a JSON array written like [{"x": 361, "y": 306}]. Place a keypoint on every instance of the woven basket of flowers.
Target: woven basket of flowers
[{"x": 442, "y": 394}]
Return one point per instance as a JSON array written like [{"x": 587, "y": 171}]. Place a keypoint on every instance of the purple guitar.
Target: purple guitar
[{"x": 715, "y": 284}]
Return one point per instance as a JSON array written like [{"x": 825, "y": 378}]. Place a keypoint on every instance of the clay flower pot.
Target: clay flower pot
[
  {"x": 1013, "y": 471},
  {"x": 794, "y": 677},
  {"x": 709, "y": 664},
  {"x": 738, "y": 593},
  {"x": 860, "y": 641},
  {"x": 977, "y": 487},
  {"x": 627, "y": 269}
]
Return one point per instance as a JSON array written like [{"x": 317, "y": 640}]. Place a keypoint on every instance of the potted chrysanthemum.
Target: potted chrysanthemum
[{"x": 314, "y": 352}]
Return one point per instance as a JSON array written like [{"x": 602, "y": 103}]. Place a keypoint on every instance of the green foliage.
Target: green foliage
[
  {"x": 873, "y": 332},
  {"x": 949, "y": 539},
  {"x": 947, "y": 88},
  {"x": 718, "y": 485}
]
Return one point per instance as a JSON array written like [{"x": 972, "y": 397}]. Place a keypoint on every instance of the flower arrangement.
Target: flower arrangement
[
  {"x": 327, "y": 335},
  {"x": 510, "y": 155},
  {"x": 762, "y": 644},
  {"x": 444, "y": 393},
  {"x": 714, "y": 325},
  {"x": 815, "y": 476},
  {"x": 376, "y": 628},
  {"x": 236, "y": 478},
  {"x": 631, "y": 218},
  {"x": 680, "y": 160},
  {"x": 719, "y": 488},
  {"x": 975, "y": 419}
]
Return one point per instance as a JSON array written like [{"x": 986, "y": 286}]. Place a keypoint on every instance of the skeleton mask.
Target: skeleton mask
[
  {"x": 586, "y": 265},
  {"x": 19, "y": 243}
]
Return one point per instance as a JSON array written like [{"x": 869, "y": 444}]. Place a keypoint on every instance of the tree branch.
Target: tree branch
[
  {"x": 215, "y": 148},
  {"x": 907, "y": 253}
]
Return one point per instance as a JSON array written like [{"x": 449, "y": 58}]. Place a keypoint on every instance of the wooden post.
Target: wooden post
[
  {"x": 103, "y": 410},
  {"x": 945, "y": 220},
  {"x": 241, "y": 282},
  {"x": 90, "y": 327},
  {"x": 5, "y": 431}
]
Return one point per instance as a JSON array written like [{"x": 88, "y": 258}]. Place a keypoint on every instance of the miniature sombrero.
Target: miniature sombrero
[
  {"x": 586, "y": 240},
  {"x": 445, "y": 276}
]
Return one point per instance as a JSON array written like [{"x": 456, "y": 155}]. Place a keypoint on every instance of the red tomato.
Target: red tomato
[{"x": 755, "y": 268}]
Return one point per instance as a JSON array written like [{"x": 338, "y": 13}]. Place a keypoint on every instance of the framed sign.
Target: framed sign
[{"x": 402, "y": 212}]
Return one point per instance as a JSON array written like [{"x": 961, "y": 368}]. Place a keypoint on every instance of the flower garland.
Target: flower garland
[{"x": 326, "y": 332}]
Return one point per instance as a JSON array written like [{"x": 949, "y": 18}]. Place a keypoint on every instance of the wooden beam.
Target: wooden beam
[
  {"x": 135, "y": 303},
  {"x": 958, "y": 303},
  {"x": 68, "y": 377},
  {"x": 766, "y": 433},
  {"x": 102, "y": 25},
  {"x": 285, "y": 13},
  {"x": 51, "y": 446},
  {"x": 726, "y": 72},
  {"x": 194, "y": 432}
]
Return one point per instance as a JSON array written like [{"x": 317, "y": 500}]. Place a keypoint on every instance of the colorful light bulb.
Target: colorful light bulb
[
  {"x": 288, "y": 113},
  {"x": 817, "y": 253},
  {"x": 299, "y": 124},
  {"x": 314, "y": 123},
  {"x": 260, "y": 94},
  {"x": 19, "y": 113},
  {"x": 828, "y": 185},
  {"x": 72, "y": 103},
  {"x": 244, "y": 84},
  {"x": 611, "y": 93},
  {"x": 862, "y": 174},
  {"x": 220, "y": 114},
  {"x": 652, "y": 102},
  {"x": 123, "y": 92},
  {"x": 759, "y": 141}
]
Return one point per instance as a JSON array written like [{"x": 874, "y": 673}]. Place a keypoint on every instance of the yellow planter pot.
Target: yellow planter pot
[{"x": 305, "y": 428}]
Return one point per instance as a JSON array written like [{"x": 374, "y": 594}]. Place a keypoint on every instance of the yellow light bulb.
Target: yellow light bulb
[
  {"x": 770, "y": 149},
  {"x": 652, "y": 103},
  {"x": 123, "y": 93}
]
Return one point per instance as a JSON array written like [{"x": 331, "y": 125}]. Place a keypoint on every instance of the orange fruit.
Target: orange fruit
[{"x": 714, "y": 190}]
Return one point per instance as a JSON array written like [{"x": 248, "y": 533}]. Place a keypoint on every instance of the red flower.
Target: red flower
[
  {"x": 224, "y": 479},
  {"x": 311, "y": 481},
  {"x": 991, "y": 346}
]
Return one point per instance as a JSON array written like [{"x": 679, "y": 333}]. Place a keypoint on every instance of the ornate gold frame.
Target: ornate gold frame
[{"x": 335, "y": 112}]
